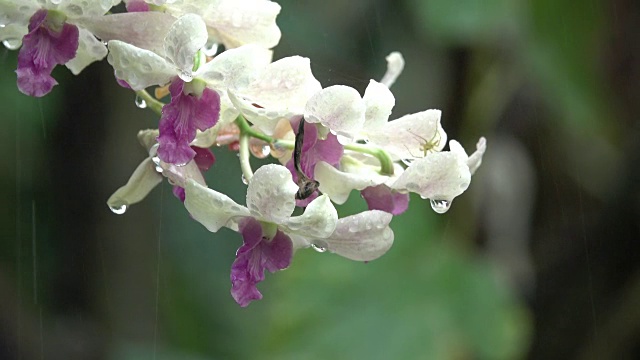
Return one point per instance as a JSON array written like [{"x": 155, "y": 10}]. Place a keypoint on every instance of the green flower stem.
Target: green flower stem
[
  {"x": 386, "y": 164},
  {"x": 245, "y": 128},
  {"x": 152, "y": 103},
  {"x": 245, "y": 165}
]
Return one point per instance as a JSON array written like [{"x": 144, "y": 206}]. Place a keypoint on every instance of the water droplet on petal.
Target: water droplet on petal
[
  {"x": 186, "y": 75},
  {"x": 12, "y": 44},
  {"x": 244, "y": 180},
  {"x": 118, "y": 210},
  {"x": 440, "y": 206},
  {"x": 140, "y": 103}
]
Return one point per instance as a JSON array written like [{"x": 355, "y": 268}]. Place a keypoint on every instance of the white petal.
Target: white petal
[
  {"x": 13, "y": 33},
  {"x": 90, "y": 49},
  {"x": 339, "y": 108},
  {"x": 211, "y": 208},
  {"x": 379, "y": 102},
  {"x": 186, "y": 36},
  {"x": 475, "y": 160},
  {"x": 264, "y": 119},
  {"x": 411, "y": 136},
  {"x": 142, "y": 181},
  {"x": 319, "y": 219},
  {"x": 235, "y": 68},
  {"x": 17, "y": 11},
  {"x": 395, "y": 65},
  {"x": 145, "y": 30},
  {"x": 147, "y": 138},
  {"x": 286, "y": 84},
  {"x": 138, "y": 67},
  {"x": 271, "y": 194},
  {"x": 180, "y": 175},
  {"x": 82, "y": 8},
  {"x": 362, "y": 237},
  {"x": 237, "y": 23},
  {"x": 439, "y": 176},
  {"x": 338, "y": 184}
]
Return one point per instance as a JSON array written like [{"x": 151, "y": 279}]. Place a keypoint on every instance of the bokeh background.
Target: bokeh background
[{"x": 537, "y": 260}]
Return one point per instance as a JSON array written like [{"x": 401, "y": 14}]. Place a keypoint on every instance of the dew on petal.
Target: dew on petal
[
  {"x": 440, "y": 206},
  {"x": 186, "y": 76},
  {"x": 244, "y": 180}
]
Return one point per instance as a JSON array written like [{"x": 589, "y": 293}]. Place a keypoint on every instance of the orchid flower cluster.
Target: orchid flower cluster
[{"x": 326, "y": 142}]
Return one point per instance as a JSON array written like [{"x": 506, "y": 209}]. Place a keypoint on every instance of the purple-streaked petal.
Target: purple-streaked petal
[
  {"x": 179, "y": 192},
  {"x": 256, "y": 255},
  {"x": 180, "y": 119},
  {"x": 271, "y": 194},
  {"x": 204, "y": 158},
  {"x": 137, "y": 6},
  {"x": 315, "y": 149},
  {"x": 381, "y": 197},
  {"x": 42, "y": 49}
]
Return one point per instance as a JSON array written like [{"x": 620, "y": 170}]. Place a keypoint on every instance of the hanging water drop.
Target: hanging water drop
[
  {"x": 244, "y": 180},
  {"x": 266, "y": 150},
  {"x": 140, "y": 102},
  {"x": 440, "y": 206},
  {"x": 118, "y": 209},
  {"x": 12, "y": 44},
  {"x": 318, "y": 247}
]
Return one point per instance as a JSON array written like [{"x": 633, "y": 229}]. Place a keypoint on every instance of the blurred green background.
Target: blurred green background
[{"x": 537, "y": 260}]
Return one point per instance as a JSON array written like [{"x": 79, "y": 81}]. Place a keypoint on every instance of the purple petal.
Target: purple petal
[
  {"x": 137, "y": 6},
  {"x": 313, "y": 151},
  {"x": 204, "y": 158},
  {"x": 123, "y": 83},
  {"x": 42, "y": 49},
  {"x": 180, "y": 119},
  {"x": 179, "y": 192},
  {"x": 381, "y": 197},
  {"x": 256, "y": 255}
]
